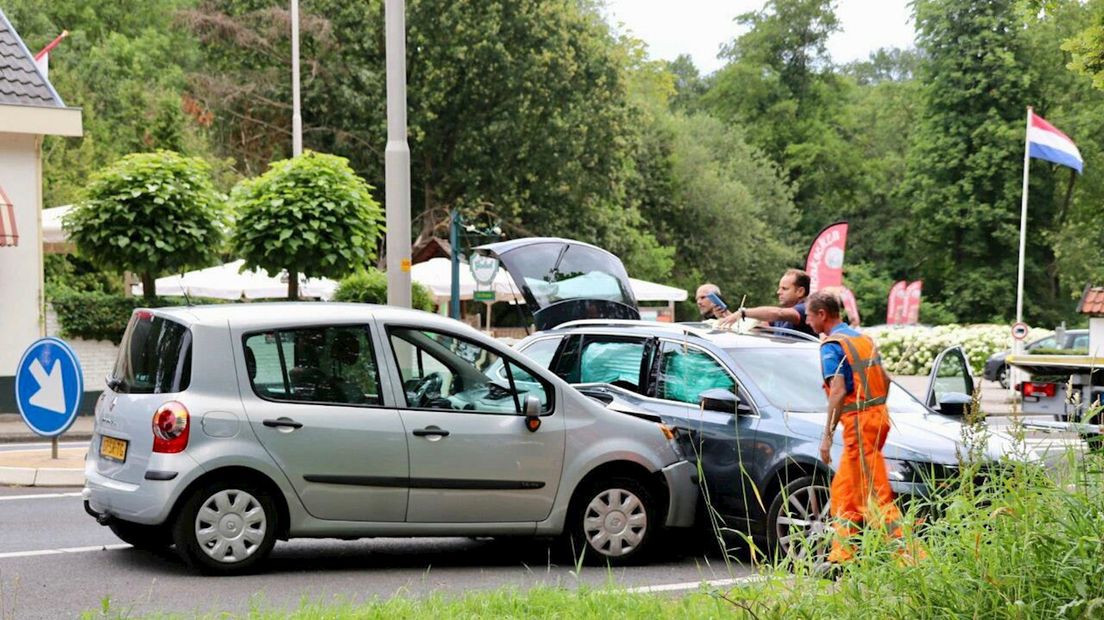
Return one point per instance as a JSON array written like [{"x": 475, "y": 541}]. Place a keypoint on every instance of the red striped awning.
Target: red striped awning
[{"x": 9, "y": 233}]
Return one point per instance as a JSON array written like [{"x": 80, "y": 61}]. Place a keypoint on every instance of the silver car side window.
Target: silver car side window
[
  {"x": 685, "y": 372},
  {"x": 442, "y": 371},
  {"x": 330, "y": 365}
]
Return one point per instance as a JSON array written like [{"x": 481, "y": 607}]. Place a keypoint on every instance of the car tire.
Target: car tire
[
  {"x": 1002, "y": 376},
  {"x": 613, "y": 521},
  {"x": 226, "y": 527},
  {"x": 139, "y": 536},
  {"x": 797, "y": 521}
]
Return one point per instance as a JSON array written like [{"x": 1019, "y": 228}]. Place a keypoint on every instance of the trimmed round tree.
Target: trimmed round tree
[
  {"x": 150, "y": 213},
  {"x": 310, "y": 214}
]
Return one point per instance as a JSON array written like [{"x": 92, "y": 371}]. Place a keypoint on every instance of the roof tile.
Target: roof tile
[
  {"x": 20, "y": 81},
  {"x": 1092, "y": 301}
]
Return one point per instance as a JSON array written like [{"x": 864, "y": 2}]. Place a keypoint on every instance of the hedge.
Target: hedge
[
  {"x": 912, "y": 350},
  {"x": 370, "y": 287}
]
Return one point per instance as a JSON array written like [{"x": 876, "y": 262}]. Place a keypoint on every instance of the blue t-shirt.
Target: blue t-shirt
[
  {"x": 832, "y": 359},
  {"x": 801, "y": 326}
]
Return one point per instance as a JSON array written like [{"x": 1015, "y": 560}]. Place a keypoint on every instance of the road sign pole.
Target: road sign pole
[{"x": 54, "y": 447}]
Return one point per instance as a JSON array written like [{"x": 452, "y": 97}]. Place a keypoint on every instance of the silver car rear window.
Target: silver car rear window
[{"x": 155, "y": 356}]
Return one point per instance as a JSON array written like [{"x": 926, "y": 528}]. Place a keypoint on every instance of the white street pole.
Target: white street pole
[
  {"x": 397, "y": 158},
  {"x": 1017, "y": 343},
  {"x": 296, "y": 116}
]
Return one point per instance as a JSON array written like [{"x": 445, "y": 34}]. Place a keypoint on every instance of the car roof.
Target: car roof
[
  {"x": 725, "y": 339},
  {"x": 245, "y": 314}
]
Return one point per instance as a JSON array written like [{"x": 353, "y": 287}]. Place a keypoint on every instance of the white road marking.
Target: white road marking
[
  {"x": 27, "y": 554},
  {"x": 4, "y": 498},
  {"x": 693, "y": 585}
]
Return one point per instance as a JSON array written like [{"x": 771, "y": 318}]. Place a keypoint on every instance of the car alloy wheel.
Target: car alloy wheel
[
  {"x": 799, "y": 520},
  {"x": 1002, "y": 376}
]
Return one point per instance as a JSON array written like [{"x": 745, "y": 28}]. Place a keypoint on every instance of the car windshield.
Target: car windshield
[{"x": 790, "y": 379}]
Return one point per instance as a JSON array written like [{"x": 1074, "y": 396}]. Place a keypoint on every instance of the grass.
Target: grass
[{"x": 1011, "y": 541}]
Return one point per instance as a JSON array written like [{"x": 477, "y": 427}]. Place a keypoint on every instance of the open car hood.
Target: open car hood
[{"x": 564, "y": 280}]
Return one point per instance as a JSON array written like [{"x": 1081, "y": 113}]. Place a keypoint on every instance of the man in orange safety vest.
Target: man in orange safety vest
[{"x": 857, "y": 387}]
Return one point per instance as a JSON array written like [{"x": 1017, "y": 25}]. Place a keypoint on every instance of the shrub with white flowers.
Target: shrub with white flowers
[{"x": 911, "y": 350}]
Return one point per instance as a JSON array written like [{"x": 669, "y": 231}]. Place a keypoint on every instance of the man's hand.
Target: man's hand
[
  {"x": 826, "y": 449},
  {"x": 728, "y": 321}
]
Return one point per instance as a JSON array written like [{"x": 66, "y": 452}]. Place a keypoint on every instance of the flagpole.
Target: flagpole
[
  {"x": 1017, "y": 344},
  {"x": 1023, "y": 220}
]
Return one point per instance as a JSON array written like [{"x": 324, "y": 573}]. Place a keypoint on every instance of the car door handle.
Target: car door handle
[
  {"x": 283, "y": 423},
  {"x": 430, "y": 431}
]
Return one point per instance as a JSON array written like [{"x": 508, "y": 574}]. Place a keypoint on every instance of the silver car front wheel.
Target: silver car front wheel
[
  {"x": 226, "y": 527},
  {"x": 617, "y": 519}
]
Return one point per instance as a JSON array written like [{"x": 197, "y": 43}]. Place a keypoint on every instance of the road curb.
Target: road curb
[{"x": 41, "y": 477}]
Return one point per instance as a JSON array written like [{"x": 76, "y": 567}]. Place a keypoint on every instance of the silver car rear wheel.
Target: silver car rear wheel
[
  {"x": 230, "y": 526},
  {"x": 226, "y": 527}
]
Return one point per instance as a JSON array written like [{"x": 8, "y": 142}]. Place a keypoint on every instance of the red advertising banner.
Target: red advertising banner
[
  {"x": 912, "y": 314},
  {"x": 897, "y": 300},
  {"x": 824, "y": 264},
  {"x": 850, "y": 305}
]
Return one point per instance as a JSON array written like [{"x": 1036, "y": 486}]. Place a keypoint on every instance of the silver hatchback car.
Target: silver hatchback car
[{"x": 225, "y": 428}]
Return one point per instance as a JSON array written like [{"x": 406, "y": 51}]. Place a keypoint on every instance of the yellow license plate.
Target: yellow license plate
[{"x": 114, "y": 449}]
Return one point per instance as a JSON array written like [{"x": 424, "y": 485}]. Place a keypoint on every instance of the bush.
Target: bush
[
  {"x": 370, "y": 287},
  {"x": 911, "y": 350},
  {"x": 93, "y": 315}
]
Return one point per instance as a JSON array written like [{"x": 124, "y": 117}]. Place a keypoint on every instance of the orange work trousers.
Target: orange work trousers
[{"x": 861, "y": 494}]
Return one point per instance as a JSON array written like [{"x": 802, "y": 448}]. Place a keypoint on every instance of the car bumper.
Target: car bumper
[
  {"x": 682, "y": 482},
  {"x": 149, "y": 502}
]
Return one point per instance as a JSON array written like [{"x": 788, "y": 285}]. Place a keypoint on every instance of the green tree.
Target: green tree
[
  {"x": 150, "y": 213},
  {"x": 965, "y": 165},
  {"x": 516, "y": 108},
  {"x": 311, "y": 214},
  {"x": 125, "y": 65}
]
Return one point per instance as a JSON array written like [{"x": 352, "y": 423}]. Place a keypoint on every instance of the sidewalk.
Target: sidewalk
[{"x": 33, "y": 465}]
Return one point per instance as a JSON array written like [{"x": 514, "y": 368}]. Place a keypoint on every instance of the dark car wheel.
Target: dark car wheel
[
  {"x": 797, "y": 521},
  {"x": 1002, "y": 376},
  {"x": 139, "y": 536},
  {"x": 226, "y": 527},
  {"x": 612, "y": 521}
]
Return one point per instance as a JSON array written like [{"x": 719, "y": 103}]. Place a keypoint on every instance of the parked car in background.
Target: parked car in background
[
  {"x": 750, "y": 407},
  {"x": 225, "y": 428},
  {"x": 996, "y": 369}
]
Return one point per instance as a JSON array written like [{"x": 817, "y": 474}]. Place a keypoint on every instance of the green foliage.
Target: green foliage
[
  {"x": 124, "y": 64},
  {"x": 150, "y": 213},
  {"x": 72, "y": 272},
  {"x": 95, "y": 315},
  {"x": 965, "y": 167},
  {"x": 311, "y": 214},
  {"x": 370, "y": 287}
]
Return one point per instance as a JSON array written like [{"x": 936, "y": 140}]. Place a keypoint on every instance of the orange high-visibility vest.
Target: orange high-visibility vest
[{"x": 871, "y": 383}]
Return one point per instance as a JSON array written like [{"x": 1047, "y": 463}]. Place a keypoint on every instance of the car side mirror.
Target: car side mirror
[
  {"x": 955, "y": 403},
  {"x": 532, "y": 413},
  {"x": 719, "y": 399}
]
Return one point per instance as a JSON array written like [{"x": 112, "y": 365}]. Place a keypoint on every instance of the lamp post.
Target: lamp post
[
  {"x": 454, "y": 241},
  {"x": 397, "y": 158},
  {"x": 296, "y": 116}
]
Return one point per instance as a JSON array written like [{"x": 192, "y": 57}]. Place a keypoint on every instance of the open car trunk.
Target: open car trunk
[{"x": 564, "y": 280}]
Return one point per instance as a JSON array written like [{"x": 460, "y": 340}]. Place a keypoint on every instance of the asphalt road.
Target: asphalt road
[{"x": 57, "y": 562}]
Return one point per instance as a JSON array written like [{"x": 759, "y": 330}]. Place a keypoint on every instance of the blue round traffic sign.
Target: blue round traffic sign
[{"x": 48, "y": 386}]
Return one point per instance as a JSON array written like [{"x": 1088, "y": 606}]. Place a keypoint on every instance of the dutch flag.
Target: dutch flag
[{"x": 1045, "y": 142}]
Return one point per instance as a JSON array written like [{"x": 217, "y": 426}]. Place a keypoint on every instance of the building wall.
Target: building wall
[{"x": 21, "y": 314}]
